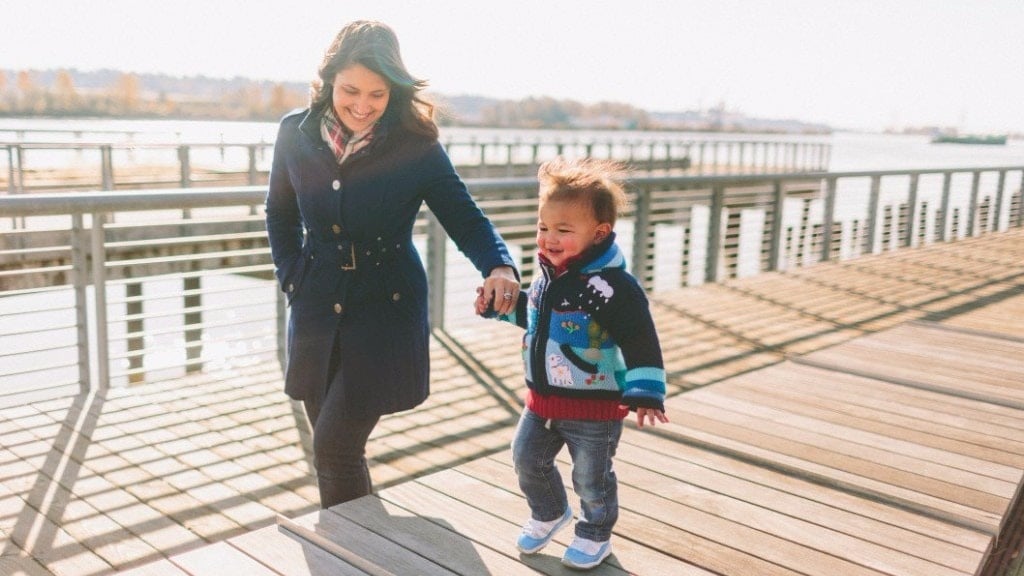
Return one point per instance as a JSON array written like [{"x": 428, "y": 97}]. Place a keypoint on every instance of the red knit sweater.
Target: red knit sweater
[{"x": 560, "y": 408}]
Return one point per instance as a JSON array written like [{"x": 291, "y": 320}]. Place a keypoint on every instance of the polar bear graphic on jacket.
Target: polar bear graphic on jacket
[{"x": 559, "y": 373}]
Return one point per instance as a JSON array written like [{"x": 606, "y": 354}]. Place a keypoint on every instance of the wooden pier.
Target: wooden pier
[{"x": 861, "y": 417}]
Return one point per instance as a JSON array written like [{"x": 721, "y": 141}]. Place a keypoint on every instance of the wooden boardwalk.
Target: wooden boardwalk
[{"x": 861, "y": 417}]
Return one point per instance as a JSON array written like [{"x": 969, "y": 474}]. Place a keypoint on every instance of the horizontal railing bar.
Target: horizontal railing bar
[
  {"x": 36, "y": 369},
  {"x": 181, "y": 328},
  {"x": 143, "y": 352},
  {"x": 80, "y": 144},
  {"x": 36, "y": 349},
  {"x": 147, "y": 370},
  {"x": 111, "y": 264},
  {"x": 129, "y": 201},
  {"x": 160, "y": 296},
  {"x": 38, "y": 250},
  {"x": 195, "y": 274},
  {"x": 186, "y": 310},
  {"x": 38, "y": 386},
  {"x": 188, "y": 240},
  {"x": 51, "y": 328},
  {"x": 25, "y": 271}
]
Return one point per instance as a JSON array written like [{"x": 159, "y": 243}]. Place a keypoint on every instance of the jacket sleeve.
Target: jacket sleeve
[
  {"x": 627, "y": 318},
  {"x": 448, "y": 198},
  {"x": 284, "y": 221}
]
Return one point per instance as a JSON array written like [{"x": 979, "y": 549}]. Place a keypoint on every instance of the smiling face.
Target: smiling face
[
  {"x": 566, "y": 229},
  {"x": 360, "y": 97}
]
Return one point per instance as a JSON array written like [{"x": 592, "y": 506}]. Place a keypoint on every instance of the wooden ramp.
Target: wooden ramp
[{"x": 897, "y": 453}]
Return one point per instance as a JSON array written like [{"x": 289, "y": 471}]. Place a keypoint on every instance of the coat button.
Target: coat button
[
  {"x": 336, "y": 184},
  {"x": 336, "y": 229},
  {"x": 337, "y": 308},
  {"x": 396, "y": 297},
  {"x": 291, "y": 287}
]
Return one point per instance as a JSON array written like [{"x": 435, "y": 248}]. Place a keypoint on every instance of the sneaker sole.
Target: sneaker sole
[
  {"x": 565, "y": 520},
  {"x": 587, "y": 566}
]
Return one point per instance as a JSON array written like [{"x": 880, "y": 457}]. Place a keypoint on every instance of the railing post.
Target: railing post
[
  {"x": 437, "y": 246},
  {"x": 828, "y": 219},
  {"x": 943, "y": 233},
  {"x": 12, "y": 172},
  {"x": 997, "y": 215},
  {"x": 252, "y": 165},
  {"x": 135, "y": 326},
  {"x": 909, "y": 241},
  {"x": 872, "y": 231},
  {"x": 80, "y": 270},
  {"x": 99, "y": 283},
  {"x": 253, "y": 173},
  {"x": 1020, "y": 204},
  {"x": 972, "y": 208},
  {"x": 641, "y": 233},
  {"x": 107, "y": 166},
  {"x": 711, "y": 267},
  {"x": 193, "y": 319},
  {"x": 778, "y": 207}
]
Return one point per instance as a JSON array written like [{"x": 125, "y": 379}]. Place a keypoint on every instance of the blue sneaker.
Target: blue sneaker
[
  {"x": 584, "y": 554},
  {"x": 537, "y": 534}
]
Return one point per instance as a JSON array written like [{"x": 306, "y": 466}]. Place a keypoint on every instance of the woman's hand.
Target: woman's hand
[{"x": 502, "y": 288}]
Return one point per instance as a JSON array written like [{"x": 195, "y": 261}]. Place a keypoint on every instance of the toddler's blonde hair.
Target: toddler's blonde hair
[{"x": 589, "y": 181}]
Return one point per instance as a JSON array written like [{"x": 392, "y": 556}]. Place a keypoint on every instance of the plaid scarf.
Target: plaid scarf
[{"x": 341, "y": 140}]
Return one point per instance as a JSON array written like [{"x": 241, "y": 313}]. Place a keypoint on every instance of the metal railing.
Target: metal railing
[
  {"x": 109, "y": 288},
  {"x": 34, "y": 166}
]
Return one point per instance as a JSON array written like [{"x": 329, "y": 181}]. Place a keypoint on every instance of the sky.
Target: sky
[{"x": 852, "y": 64}]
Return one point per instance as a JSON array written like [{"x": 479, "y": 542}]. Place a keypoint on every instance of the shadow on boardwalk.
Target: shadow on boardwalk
[{"x": 93, "y": 484}]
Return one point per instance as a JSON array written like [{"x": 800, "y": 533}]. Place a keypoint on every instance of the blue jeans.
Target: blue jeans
[{"x": 592, "y": 445}]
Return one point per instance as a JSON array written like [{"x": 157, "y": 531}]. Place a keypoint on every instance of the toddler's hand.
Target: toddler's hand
[
  {"x": 481, "y": 305},
  {"x": 652, "y": 415}
]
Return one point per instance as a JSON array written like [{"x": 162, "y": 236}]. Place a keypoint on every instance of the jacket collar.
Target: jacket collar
[
  {"x": 601, "y": 256},
  {"x": 310, "y": 126}
]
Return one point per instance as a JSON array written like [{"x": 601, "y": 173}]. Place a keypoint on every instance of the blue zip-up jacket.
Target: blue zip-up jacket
[{"x": 589, "y": 333}]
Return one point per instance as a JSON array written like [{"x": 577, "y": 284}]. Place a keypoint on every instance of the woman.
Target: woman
[{"x": 348, "y": 177}]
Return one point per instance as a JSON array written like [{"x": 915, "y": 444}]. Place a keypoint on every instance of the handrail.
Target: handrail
[{"x": 679, "y": 230}]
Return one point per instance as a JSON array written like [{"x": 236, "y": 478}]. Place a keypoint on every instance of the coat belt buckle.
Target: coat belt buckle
[{"x": 352, "y": 258}]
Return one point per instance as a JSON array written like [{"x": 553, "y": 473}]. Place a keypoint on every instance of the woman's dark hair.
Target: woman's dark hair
[{"x": 375, "y": 46}]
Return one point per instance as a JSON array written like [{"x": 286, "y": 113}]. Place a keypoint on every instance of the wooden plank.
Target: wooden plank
[
  {"x": 968, "y": 365},
  {"x": 734, "y": 441},
  {"x": 353, "y": 542},
  {"x": 22, "y": 565},
  {"x": 873, "y": 510},
  {"x": 162, "y": 567},
  {"x": 954, "y": 486},
  {"x": 487, "y": 499},
  {"x": 887, "y": 398},
  {"x": 290, "y": 556},
  {"x": 217, "y": 559},
  {"x": 965, "y": 470},
  {"x": 800, "y": 400},
  {"x": 728, "y": 547},
  {"x": 487, "y": 527},
  {"x": 431, "y": 535},
  {"x": 803, "y": 523},
  {"x": 714, "y": 486}
]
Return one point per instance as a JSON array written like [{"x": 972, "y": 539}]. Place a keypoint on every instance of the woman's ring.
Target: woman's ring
[{"x": 508, "y": 295}]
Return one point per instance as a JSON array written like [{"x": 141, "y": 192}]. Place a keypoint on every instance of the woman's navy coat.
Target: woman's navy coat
[{"x": 341, "y": 239}]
